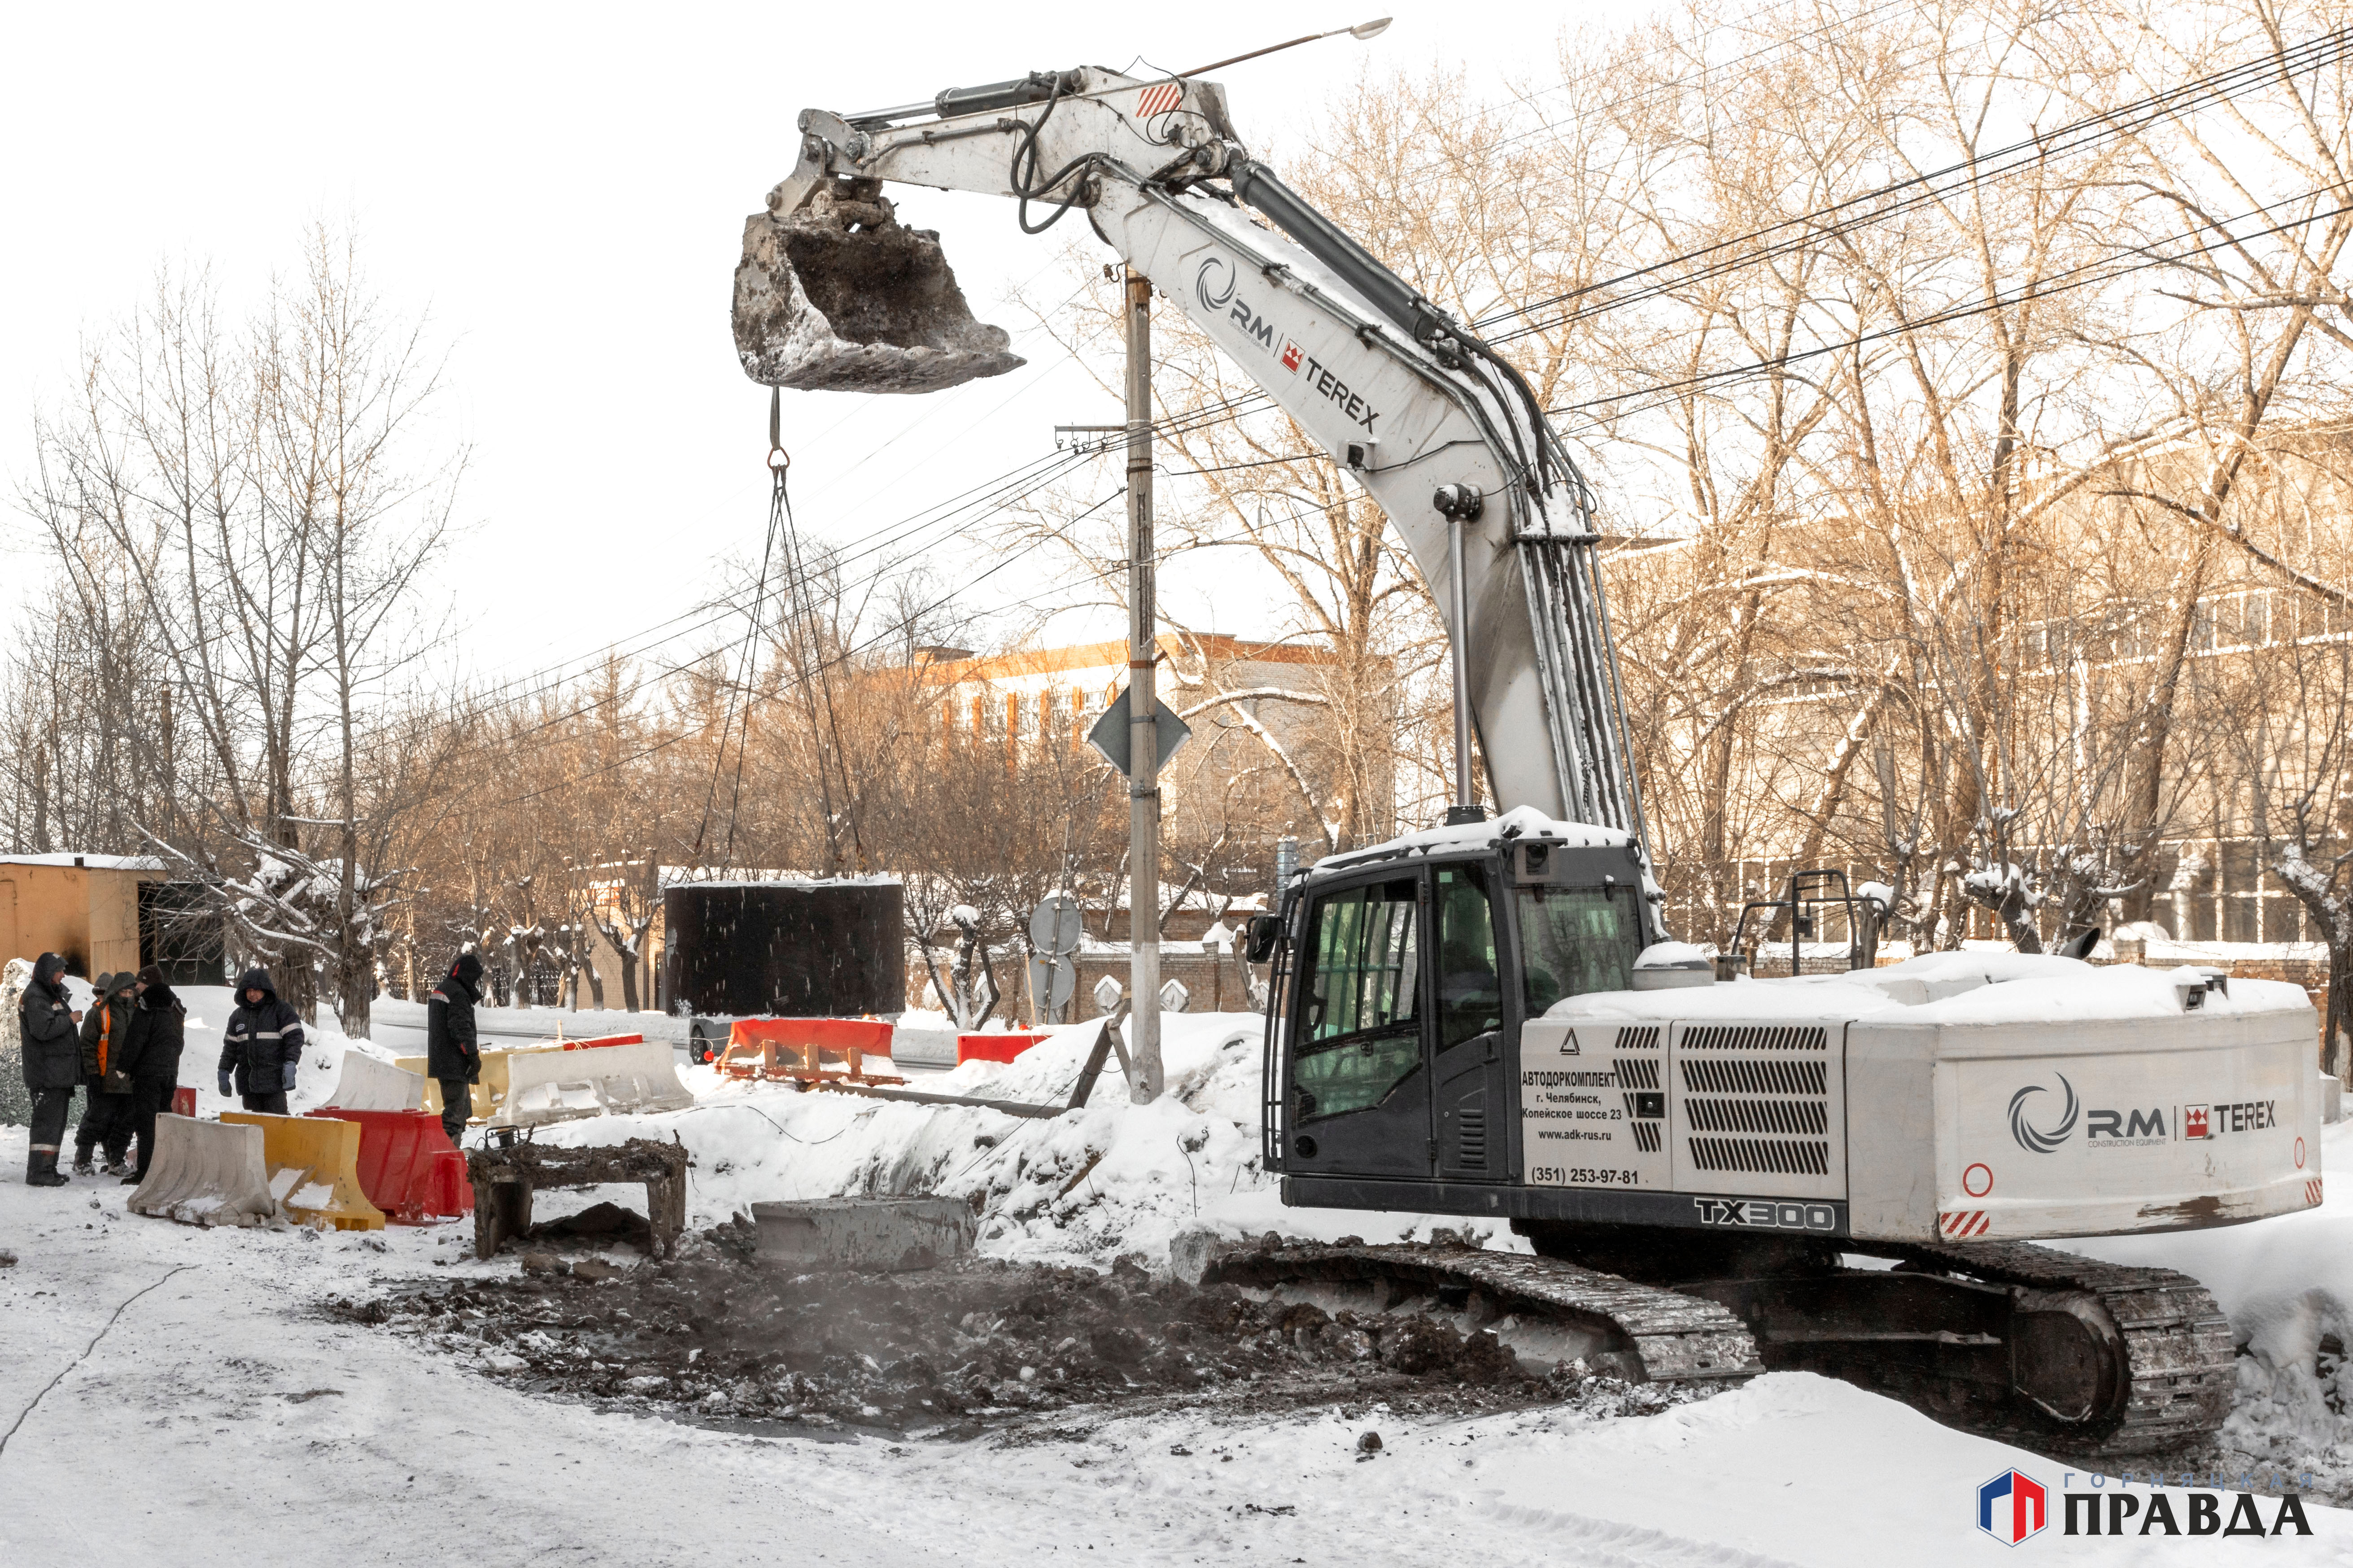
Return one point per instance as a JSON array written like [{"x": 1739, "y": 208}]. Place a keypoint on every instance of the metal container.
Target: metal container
[{"x": 791, "y": 949}]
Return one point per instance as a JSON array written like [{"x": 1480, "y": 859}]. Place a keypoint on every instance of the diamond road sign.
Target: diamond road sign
[{"x": 1110, "y": 734}]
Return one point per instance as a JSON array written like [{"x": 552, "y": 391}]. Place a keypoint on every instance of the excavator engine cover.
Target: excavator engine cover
[{"x": 840, "y": 297}]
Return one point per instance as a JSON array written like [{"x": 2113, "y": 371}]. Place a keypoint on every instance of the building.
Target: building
[
  {"x": 1257, "y": 754},
  {"x": 106, "y": 913}
]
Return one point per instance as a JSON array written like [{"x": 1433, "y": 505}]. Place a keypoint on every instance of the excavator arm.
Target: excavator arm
[{"x": 1434, "y": 424}]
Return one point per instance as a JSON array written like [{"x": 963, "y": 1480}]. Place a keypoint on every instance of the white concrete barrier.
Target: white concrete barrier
[
  {"x": 367, "y": 1084},
  {"x": 207, "y": 1173},
  {"x": 556, "y": 1085}
]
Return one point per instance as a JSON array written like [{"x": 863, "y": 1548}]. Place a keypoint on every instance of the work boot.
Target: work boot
[
  {"x": 41, "y": 1169},
  {"x": 116, "y": 1165},
  {"x": 81, "y": 1165}
]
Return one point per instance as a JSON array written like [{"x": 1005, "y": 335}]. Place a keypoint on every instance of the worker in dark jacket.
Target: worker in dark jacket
[
  {"x": 159, "y": 1028},
  {"x": 45, "y": 1018},
  {"x": 261, "y": 1046},
  {"x": 451, "y": 1054},
  {"x": 106, "y": 1085}
]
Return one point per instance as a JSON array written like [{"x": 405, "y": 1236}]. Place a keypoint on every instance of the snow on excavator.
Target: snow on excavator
[{"x": 1488, "y": 1018}]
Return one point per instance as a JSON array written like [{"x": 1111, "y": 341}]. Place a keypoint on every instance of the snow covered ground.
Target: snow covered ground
[{"x": 181, "y": 1396}]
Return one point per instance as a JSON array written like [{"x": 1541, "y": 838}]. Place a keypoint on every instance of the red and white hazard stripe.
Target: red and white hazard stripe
[
  {"x": 2312, "y": 1190},
  {"x": 1159, "y": 99},
  {"x": 1956, "y": 1224}
]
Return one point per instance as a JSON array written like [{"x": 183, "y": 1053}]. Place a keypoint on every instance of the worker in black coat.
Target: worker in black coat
[
  {"x": 45, "y": 1020},
  {"x": 261, "y": 1046},
  {"x": 452, "y": 1055},
  {"x": 106, "y": 1104},
  {"x": 159, "y": 1029}
]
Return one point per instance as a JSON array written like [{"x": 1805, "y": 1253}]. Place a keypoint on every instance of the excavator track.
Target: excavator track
[
  {"x": 2174, "y": 1347},
  {"x": 2009, "y": 1340},
  {"x": 1649, "y": 1334}
]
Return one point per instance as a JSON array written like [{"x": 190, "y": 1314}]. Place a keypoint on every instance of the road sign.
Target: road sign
[
  {"x": 1111, "y": 733},
  {"x": 1053, "y": 981},
  {"x": 1054, "y": 925}
]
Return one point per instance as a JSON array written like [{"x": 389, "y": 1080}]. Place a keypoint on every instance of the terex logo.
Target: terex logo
[
  {"x": 1215, "y": 285},
  {"x": 2012, "y": 1506}
]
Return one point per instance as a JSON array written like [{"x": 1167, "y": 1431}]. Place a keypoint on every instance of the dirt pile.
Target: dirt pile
[{"x": 950, "y": 1349}]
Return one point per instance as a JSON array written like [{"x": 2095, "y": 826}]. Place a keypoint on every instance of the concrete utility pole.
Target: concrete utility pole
[{"x": 1143, "y": 711}]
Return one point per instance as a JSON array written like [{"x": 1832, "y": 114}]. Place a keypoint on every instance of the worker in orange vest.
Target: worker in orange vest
[{"x": 106, "y": 1118}]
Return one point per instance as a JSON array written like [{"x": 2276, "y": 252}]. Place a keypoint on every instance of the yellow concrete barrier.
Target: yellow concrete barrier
[
  {"x": 207, "y": 1173},
  {"x": 490, "y": 1092},
  {"x": 367, "y": 1084},
  {"x": 313, "y": 1168}
]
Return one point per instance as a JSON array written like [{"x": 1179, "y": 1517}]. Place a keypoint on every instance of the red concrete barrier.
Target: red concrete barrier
[
  {"x": 1001, "y": 1048},
  {"x": 407, "y": 1167}
]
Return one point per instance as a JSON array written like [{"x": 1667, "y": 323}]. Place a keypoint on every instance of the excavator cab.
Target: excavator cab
[{"x": 1394, "y": 1027}]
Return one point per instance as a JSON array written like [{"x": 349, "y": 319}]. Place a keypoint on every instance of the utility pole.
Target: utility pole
[{"x": 1143, "y": 711}]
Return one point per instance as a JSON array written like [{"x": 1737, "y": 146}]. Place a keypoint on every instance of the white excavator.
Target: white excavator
[{"x": 1717, "y": 1173}]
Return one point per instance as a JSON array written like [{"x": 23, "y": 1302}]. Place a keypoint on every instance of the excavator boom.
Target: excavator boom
[{"x": 1432, "y": 421}]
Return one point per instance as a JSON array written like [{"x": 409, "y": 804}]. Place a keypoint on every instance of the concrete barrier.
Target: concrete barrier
[
  {"x": 556, "y": 1085},
  {"x": 489, "y": 1091},
  {"x": 367, "y": 1084},
  {"x": 996, "y": 1047},
  {"x": 885, "y": 1235},
  {"x": 206, "y": 1172},
  {"x": 406, "y": 1165},
  {"x": 313, "y": 1168}
]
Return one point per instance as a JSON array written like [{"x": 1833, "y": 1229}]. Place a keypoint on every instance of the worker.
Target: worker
[
  {"x": 451, "y": 1052},
  {"x": 45, "y": 1018},
  {"x": 152, "y": 1052},
  {"x": 261, "y": 1046},
  {"x": 106, "y": 1106}
]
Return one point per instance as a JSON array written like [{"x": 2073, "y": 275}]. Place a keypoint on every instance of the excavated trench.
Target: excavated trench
[{"x": 713, "y": 1335}]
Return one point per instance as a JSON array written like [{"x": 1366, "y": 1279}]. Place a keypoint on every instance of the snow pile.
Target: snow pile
[
  {"x": 2286, "y": 1284},
  {"x": 1966, "y": 987},
  {"x": 1087, "y": 1186}
]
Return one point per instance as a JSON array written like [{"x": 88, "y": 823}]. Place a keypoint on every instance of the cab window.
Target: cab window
[
  {"x": 1361, "y": 1034},
  {"x": 1470, "y": 994},
  {"x": 1576, "y": 940}
]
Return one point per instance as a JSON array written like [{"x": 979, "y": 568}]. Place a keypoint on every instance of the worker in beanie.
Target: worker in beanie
[
  {"x": 159, "y": 1028},
  {"x": 451, "y": 1054},
  {"x": 106, "y": 1112},
  {"x": 52, "y": 1065},
  {"x": 261, "y": 1046}
]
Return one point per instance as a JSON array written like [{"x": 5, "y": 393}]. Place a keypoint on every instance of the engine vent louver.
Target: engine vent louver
[
  {"x": 1646, "y": 1137},
  {"x": 1761, "y": 1156},
  {"x": 1757, "y": 1103},
  {"x": 1471, "y": 1126},
  {"x": 1717, "y": 1075},
  {"x": 1638, "y": 1072},
  {"x": 1795, "y": 1117}
]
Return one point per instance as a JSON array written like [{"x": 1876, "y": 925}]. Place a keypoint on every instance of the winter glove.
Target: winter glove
[
  {"x": 290, "y": 1068},
  {"x": 227, "y": 1083}
]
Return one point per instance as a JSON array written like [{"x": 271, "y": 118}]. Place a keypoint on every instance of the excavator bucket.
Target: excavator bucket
[{"x": 838, "y": 296}]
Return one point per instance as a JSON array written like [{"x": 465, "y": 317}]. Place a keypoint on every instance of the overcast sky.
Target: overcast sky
[{"x": 562, "y": 192}]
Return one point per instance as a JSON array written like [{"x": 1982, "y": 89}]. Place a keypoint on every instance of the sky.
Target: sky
[{"x": 560, "y": 194}]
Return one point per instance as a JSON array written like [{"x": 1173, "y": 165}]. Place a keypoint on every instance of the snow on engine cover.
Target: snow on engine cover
[{"x": 1959, "y": 1096}]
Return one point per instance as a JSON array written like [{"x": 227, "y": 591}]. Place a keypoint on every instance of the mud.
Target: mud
[{"x": 983, "y": 1343}]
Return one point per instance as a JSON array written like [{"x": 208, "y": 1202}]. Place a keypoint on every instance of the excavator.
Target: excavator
[{"x": 1716, "y": 1174}]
